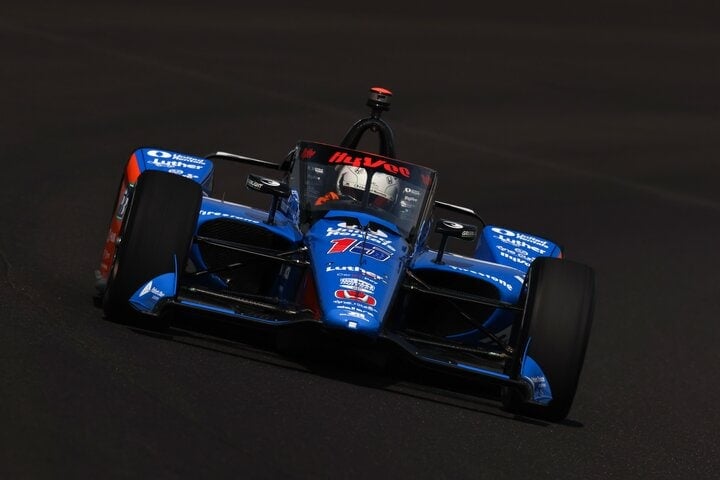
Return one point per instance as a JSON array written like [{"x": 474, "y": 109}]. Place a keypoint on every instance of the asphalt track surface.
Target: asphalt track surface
[{"x": 596, "y": 126}]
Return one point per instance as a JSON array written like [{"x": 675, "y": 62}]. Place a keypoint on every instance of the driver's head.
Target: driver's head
[{"x": 384, "y": 188}]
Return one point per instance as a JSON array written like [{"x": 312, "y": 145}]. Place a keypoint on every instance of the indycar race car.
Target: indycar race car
[{"x": 345, "y": 246}]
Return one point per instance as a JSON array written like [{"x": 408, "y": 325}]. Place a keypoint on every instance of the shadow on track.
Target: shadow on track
[{"x": 382, "y": 370}]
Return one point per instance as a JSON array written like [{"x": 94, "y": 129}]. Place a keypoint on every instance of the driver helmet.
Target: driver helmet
[{"x": 384, "y": 188}]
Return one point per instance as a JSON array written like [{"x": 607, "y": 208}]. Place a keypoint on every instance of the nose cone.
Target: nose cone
[
  {"x": 356, "y": 273},
  {"x": 354, "y": 319}
]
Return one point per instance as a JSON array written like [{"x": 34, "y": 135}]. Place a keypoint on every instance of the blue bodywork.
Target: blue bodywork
[
  {"x": 347, "y": 269},
  {"x": 195, "y": 168}
]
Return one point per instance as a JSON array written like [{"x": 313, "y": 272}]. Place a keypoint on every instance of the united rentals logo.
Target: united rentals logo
[{"x": 369, "y": 162}]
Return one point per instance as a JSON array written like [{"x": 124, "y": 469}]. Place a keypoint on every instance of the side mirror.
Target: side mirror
[
  {"x": 448, "y": 228},
  {"x": 269, "y": 186}
]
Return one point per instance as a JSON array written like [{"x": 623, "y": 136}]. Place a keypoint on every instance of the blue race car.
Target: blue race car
[{"x": 345, "y": 246}]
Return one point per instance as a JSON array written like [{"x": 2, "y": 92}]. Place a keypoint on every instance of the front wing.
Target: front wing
[{"x": 437, "y": 353}]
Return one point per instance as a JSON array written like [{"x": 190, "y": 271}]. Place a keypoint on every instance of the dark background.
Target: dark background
[{"x": 596, "y": 126}]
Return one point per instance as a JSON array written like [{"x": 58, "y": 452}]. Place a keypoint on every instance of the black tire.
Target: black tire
[
  {"x": 559, "y": 309},
  {"x": 157, "y": 229}
]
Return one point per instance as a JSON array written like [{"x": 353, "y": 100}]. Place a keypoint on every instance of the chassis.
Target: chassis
[{"x": 514, "y": 313}]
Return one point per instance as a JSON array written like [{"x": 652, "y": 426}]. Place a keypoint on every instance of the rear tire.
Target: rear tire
[
  {"x": 157, "y": 231},
  {"x": 557, "y": 326}
]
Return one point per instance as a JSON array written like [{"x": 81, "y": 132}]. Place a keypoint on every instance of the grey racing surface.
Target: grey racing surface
[{"x": 597, "y": 126}]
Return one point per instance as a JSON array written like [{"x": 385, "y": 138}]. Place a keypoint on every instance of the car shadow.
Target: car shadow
[{"x": 382, "y": 369}]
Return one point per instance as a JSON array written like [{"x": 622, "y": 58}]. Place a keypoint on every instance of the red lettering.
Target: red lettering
[
  {"x": 366, "y": 162},
  {"x": 370, "y": 164},
  {"x": 391, "y": 168},
  {"x": 341, "y": 244}
]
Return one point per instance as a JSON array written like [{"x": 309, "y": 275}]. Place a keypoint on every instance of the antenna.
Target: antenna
[{"x": 379, "y": 101}]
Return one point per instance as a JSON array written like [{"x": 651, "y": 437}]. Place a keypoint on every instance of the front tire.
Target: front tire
[
  {"x": 157, "y": 232},
  {"x": 556, "y": 329}
]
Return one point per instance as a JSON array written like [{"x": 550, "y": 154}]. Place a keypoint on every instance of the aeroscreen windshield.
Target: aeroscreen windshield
[{"x": 329, "y": 177}]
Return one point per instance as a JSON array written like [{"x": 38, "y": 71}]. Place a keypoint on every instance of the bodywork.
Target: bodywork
[{"x": 347, "y": 267}]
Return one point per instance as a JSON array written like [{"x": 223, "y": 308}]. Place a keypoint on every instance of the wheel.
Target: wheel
[
  {"x": 157, "y": 231},
  {"x": 556, "y": 328}
]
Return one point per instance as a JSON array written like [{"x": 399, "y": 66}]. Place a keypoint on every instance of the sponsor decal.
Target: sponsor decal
[
  {"x": 124, "y": 202},
  {"x": 355, "y": 306},
  {"x": 539, "y": 383},
  {"x": 377, "y": 236},
  {"x": 518, "y": 243},
  {"x": 149, "y": 288},
  {"x": 253, "y": 184},
  {"x": 453, "y": 225},
  {"x": 210, "y": 213},
  {"x": 355, "y": 314},
  {"x": 369, "y": 162},
  {"x": 360, "y": 248},
  {"x": 360, "y": 270},
  {"x": 340, "y": 245},
  {"x": 514, "y": 259},
  {"x": 516, "y": 255},
  {"x": 352, "y": 283},
  {"x": 356, "y": 295},
  {"x": 174, "y": 164},
  {"x": 407, "y": 200},
  {"x": 486, "y": 276},
  {"x": 186, "y": 158},
  {"x": 307, "y": 153},
  {"x": 159, "y": 154},
  {"x": 270, "y": 183},
  {"x": 178, "y": 157},
  {"x": 520, "y": 237},
  {"x": 355, "y": 310}
]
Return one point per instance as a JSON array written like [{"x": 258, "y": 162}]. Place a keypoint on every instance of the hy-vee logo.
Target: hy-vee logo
[{"x": 369, "y": 162}]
